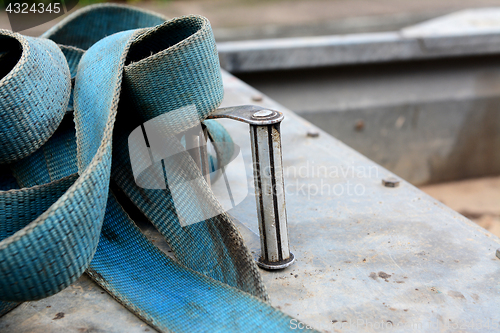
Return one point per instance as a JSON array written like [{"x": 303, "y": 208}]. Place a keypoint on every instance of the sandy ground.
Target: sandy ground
[{"x": 476, "y": 199}]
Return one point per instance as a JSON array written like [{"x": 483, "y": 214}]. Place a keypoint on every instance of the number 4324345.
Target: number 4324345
[{"x": 40, "y": 8}]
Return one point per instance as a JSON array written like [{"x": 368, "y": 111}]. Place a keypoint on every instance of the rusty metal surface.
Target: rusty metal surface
[{"x": 368, "y": 258}]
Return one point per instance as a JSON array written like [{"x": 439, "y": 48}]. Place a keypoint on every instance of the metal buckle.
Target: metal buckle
[{"x": 265, "y": 137}]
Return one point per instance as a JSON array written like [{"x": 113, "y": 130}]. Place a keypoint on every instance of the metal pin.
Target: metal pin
[
  {"x": 196, "y": 145},
  {"x": 205, "y": 167},
  {"x": 270, "y": 197}
]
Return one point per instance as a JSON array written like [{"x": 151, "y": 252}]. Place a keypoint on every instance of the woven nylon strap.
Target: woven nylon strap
[{"x": 62, "y": 149}]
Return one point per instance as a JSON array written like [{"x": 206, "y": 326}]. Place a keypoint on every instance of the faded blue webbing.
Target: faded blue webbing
[{"x": 57, "y": 215}]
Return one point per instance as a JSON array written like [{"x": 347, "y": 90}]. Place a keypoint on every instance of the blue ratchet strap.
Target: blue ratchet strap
[{"x": 60, "y": 149}]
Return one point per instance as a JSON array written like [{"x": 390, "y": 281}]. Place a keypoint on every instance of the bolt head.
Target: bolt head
[
  {"x": 313, "y": 134},
  {"x": 390, "y": 182},
  {"x": 262, "y": 114},
  {"x": 257, "y": 98}
]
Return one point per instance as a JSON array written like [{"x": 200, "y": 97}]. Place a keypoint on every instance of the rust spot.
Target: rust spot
[
  {"x": 455, "y": 294},
  {"x": 360, "y": 125},
  {"x": 59, "y": 315},
  {"x": 384, "y": 275}
]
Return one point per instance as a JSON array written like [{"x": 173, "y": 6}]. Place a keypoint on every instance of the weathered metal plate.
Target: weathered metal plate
[
  {"x": 82, "y": 307},
  {"x": 428, "y": 122},
  {"x": 368, "y": 256}
]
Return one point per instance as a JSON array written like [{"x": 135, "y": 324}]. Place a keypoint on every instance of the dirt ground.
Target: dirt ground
[
  {"x": 230, "y": 13},
  {"x": 247, "y": 19},
  {"x": 477, "y": 199}
]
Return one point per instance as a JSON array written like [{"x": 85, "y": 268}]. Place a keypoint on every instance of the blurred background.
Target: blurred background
[
  {"x": 422, "y": 100},
  {"x": 256, "y": 19}
]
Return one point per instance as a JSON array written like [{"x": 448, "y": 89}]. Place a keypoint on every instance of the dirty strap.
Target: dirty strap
[{"x": 63, "y": 148}]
